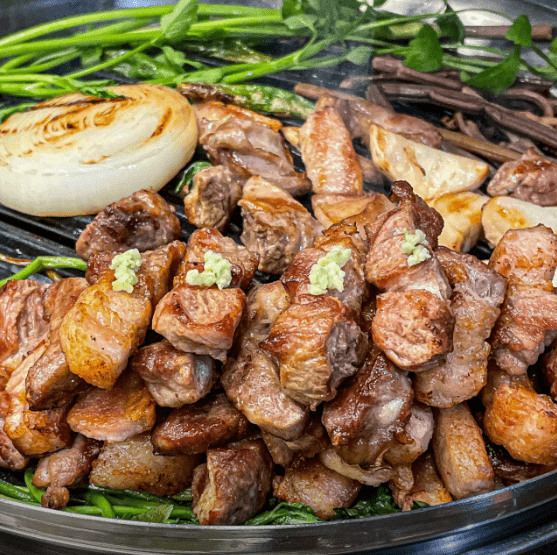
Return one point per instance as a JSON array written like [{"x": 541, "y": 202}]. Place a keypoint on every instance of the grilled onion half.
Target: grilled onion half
[{"x": 75, "y": 154}]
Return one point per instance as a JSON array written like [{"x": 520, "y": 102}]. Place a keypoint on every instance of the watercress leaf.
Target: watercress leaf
[
  {"x": 497, "y": 78},
  {"x": 301, "y": 21},
  {"x": 425, "y": 52},
  {"x": 553, "y": 46},
  {"x": 174, "y": 57},
  {"x": 418, "y": 505},
  {"x": 185, "y": 180},
  {"x": 450, "y": 25},
  {"x": 378, "y": 3},
  {"x": 161, "y": 513},
  {"x": 520, "y": 32},
  {"x": 175, "y": 24},
  {"x": 98, "y": 91},
  {"x": 292, "y": 7},
  {"x": 359, "y": 55},
  {"x": 91, "y": 56}
]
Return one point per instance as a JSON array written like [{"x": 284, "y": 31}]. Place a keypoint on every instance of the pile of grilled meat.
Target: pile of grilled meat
[{"x": 412, "y": 375}]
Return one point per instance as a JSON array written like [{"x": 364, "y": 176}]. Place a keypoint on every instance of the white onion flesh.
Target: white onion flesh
[{"x": 76, "y": 154}]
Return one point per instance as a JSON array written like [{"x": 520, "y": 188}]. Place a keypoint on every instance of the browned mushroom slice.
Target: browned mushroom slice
[
  {"x": 234, "y": 483},
  {"x": 213, "y": 197},
  {"x": 200, "y": 320},
  {"x": 144, "y": 221},
  {"x": 243, "y": 262},
  {"x": 172, "y": 377},
  {"x": 460, "y": 453},
  {"x": 313, "y": 484},
  {"x": 318, "y": 345},
  {"x": 192, "y": 429},
  {"x": 276, "y": 226},
  {"x": 116, "y": 415},
  {"x": 131, "y": 464},
  {"x": 368, "y": 411}
]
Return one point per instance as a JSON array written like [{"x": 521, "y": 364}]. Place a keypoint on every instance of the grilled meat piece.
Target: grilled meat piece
[
  {"x": 116, "y": 415},
  {"x": 252, "y": 384},
  {"x": 313, "y": 440},
  {"x": 195, "y": 428},
  {"x": 213, "y": 197},
  {"x": 131, "y": 464},
  {"x": 532, "y": 178},
  {"x": 460, "y": 453},
  {"x": 248, "y": 144},
  {"x": 478, "y": 293},
  {"x": 317, "y": 345},
  {"x": 524, "y": 423},
  {"x": 49, "y": 382},
  {"x": 368, "y": 411},
  {"x": 297, "y": 283},
  {"x": 10, "y": 457},
  {"x": 528, "y": 320},
  {"x": 313, "y": 484},
  {"x": 105, "y": 327},
  {"x": 327, "y": 151},
  {"x": 333, "y": 208},
  {"x": 549, "y": 367},
  {"x": 200, "y": 320},
  {"x": 510, "y": 471},
  {"x": 243, "y": 262},
  {"x": 24, "y": 322},
  {"x": 66, "y": 468},
  {"x": 276, "y": 226},
  {"x": 144, "y": 221},
  {"x": 172, "y": 377},
  {"x": 234, "y": 483},
  {"x": 414, "y": 440}
]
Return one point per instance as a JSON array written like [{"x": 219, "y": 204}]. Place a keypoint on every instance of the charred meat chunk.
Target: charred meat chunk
[
  {"x": 191, "y": 429},
  {"x": 131, "y": 464},
  {"x": 234, "y": 483},
  {"x": 368, "y": 411},
  {"x": 313, "y": 484},
  {"x": 276, "y": 226},
  {"x": 248, "y": 144},
  {"x": 200, "y": 320},
  {"x": 243, "y": 262},
  {"x": 172, "y": 377},
  {"x": 317, "y": 345},
  {"x": 460, "y": 453},
  {"x": 328, "y": 153},
  {"x": 213, "y": 197},
  {"x": 143, "y": 221},
  {"x": 532, "y": 178},
  {"x": 116, "y": 415}
]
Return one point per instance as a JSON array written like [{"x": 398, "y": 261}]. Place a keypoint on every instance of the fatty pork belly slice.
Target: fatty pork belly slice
[
  {"x": 144, "y": 221},
  {"x": 310, "y": 482},
  {"x": 369, "y": 411},
  {"x": 192, "y": 429},
  {"x": 334, "y": 208},
  {"x": 243, "y": 262},
  {"x": 478, "y": 293},
  {"x": 233, "y": 485},
  {"x": 297, "y": 282},
  {"x": 252, "y": 383},
  {"x": 528, "y": 320},
  {"x": 532, "y": 178},
  {"x": 523, "y": 422},
  {"x": 132, "y": 464},
  {"x": 49, "y": 383},
  {"x": 172, "y": 377},
  {"x": 105, "y": 327},
  {"x": 200, "y": 320},
  {"x": 213, "y": 197},
  {"x": 460, "y": 453},
  {"x": 327, "y": 151},
  {"x": 249, "y": 144},
  {"x": 24, "y": 322},
  {"x": 317, "y": 345},
  {"x": 116, "y": 415},
  {"x": 63, "y": 469},
  {"x": 276, "y": 226}
]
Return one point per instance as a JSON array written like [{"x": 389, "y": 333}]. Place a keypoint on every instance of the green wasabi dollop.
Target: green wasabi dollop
[
  {"x": 217, "y": 270},
  {"x": 415, "y": 245},
  {"x": 326, "y": 273},
  {"x": 125, "y": 265}
]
